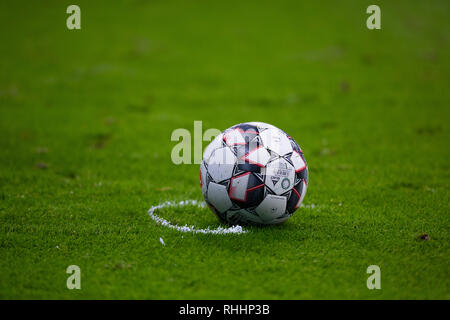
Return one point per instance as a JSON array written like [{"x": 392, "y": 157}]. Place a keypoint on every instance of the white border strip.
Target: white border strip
[{"x": 186, "y": 228}]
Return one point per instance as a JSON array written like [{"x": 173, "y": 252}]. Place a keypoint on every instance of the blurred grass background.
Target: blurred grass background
[{"x": 85, "y": 124}]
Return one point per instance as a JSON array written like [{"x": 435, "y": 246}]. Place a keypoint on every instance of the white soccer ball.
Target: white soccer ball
[{"x": 253, "y": 173}]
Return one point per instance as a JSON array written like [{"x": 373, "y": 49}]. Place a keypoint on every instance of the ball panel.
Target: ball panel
[
  {"x": 261, "y": 125},
  {"x": 302, "y": 194},
  {"x": 255, "y": 196},
  {"x": 279, "y": 176},
  {"x": 244, "y": 216},
  {"x": 233, "y": 137},
  {"x": 249, "y": 167},
  {"x": 276, "y": 141},
  {"x": 241, "y": 150},
  {"x": 292, "y": 201},
  {"x": 303, "y": 175},
  {"x": 248, "y": 132},
  {"x": 271, "y": 207},
  {"x": 247, "y": 128},
  {"x": 247, "y": 190},
  {"x": 258, "y": 156},
  {"x": 221, "y": 164},
  {"x": 294, "y": 145},
  {"x": 238, "y": 187},
  {"x": 297, "y": 161},
  {"x": 203, "y": 175},
  {"x": 297, "y": 196},
  {"x": 218, "y": 197},
  {"x": 215, "y": 144}
]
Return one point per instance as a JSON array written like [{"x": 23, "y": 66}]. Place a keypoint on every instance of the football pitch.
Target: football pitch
[{"x": 86, "y": 118}]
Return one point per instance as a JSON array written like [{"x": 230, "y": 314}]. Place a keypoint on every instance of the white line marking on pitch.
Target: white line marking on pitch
[{"x": 186, "y": 228}]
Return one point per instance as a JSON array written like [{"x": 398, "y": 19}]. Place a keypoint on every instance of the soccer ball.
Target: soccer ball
[{"x": 253, "y": 173}]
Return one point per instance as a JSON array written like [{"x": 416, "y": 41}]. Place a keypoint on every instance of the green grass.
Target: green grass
[{"x": 85, "y": 124}]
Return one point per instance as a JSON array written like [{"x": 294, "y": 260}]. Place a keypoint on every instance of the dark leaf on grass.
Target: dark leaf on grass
[
  {"x": 139, "y": 108},
  {"x": 345, "y": 86},
  {"x": 110, "y": 121},
  {"x": 41, "y": 165},
  {"x": 405, "y": 185},
  {"x": 71, "y": 175},
  {"x": 265, "y": 102},
  {"x": 42, "y": 150},
  {"x": 424, "y": 236},
  {"x": 26, "y": 135},
  {"x": 429, "y": 130},
  {"x": 367, "y": 59},
  {"x": 328, "y": 125},
  {"x": 122, "y": 265},
  {"x": 164, "y": 189},
  {"x": 100, "y": 140}
]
